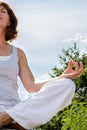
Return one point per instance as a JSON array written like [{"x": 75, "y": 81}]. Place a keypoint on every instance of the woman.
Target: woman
[{"x": 51, "y": 96}]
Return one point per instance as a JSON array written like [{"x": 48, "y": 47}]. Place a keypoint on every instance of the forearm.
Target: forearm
[{"x": 38, "y": 85}]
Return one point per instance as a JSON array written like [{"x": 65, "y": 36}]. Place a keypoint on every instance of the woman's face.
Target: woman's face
[{"x": 4, "y": 17}]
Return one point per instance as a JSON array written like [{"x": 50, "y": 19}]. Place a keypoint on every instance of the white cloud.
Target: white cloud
[{"x": 78, "y": 38}]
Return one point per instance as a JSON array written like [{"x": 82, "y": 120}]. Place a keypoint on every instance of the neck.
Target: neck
[{"x": 2, "y": 37}]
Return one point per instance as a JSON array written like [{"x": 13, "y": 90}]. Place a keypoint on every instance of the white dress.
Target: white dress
[{"x": 42, "y": 106}]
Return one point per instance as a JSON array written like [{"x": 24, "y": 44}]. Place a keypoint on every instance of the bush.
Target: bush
[{"x": 75, "y": 118}]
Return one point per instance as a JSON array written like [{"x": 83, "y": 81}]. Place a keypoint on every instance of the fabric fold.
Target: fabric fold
[{"x": 44, "y": 105}]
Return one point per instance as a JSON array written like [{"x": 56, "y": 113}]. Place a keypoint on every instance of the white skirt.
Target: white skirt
[{"x": 44, "y": 105}]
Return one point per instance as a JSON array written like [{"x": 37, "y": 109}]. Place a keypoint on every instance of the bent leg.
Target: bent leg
[
  {"x": 14, "y": 125},
  {"x": 5, "y": 119},
  {"x": 7, "y": 122},
  {"x": 40, "y": 108}
]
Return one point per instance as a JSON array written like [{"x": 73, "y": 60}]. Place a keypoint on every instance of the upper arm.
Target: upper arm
[{"x": 25, "y": 73}]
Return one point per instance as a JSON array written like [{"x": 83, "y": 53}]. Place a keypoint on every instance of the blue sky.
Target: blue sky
[{"x": 47, "y": 26}]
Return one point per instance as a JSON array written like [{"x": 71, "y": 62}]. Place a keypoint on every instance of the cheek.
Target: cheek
[{"x": 7, "y": 21}]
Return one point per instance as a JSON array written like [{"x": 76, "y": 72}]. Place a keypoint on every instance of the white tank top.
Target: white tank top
[{"x": 9, "y": 71}]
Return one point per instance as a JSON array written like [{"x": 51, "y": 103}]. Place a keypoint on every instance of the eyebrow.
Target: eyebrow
[{"x": 2, "y": 8}]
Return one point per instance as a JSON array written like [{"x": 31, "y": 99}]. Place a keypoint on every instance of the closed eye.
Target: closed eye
[{"x": 3, "y": 11}]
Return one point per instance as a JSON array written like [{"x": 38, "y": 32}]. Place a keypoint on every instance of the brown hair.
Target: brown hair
[{"x": 11, "y": 32}]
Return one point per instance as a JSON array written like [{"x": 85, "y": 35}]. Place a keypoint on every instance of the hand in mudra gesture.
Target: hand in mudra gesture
[{"x": 73, "y": 73}]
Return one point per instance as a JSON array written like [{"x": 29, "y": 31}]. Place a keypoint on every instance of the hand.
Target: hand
[{"x": 72, "y": 74}]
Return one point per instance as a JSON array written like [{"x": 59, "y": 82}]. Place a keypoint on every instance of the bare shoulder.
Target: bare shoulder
[
  {"x": 21, "y": 54},
  {"x": 22, "y": 57}
]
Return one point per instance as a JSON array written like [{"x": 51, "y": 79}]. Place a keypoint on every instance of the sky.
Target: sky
[{"x": 45, "y": 27}]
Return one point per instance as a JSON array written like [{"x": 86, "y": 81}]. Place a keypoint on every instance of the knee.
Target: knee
[{"x": 70, "y": 83}]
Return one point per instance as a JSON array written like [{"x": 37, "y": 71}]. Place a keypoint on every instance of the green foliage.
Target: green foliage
[
  {"x": 67, "y": 55},
  {"x": 56, "y": 72},
  {"x": 81, "y": 82},
  {"x": 73, "y": 117}
]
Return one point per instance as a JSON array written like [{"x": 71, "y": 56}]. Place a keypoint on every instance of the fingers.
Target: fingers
[
  {"x": 76, "y": 66},
  {"x": 78, "y": 69},
  {"x": 73, "y": 63},
  {"x": 70, "y": 65},
  {"x": 81, "y": 67}
]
